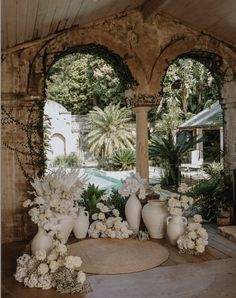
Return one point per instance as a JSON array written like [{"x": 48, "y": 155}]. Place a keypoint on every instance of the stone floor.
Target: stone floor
[
  {"x": 229, "y": 232},
  {"x": 211, "y": 275}
]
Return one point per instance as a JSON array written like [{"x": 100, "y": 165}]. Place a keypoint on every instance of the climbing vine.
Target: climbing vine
[{"x": 30, "y": 152}]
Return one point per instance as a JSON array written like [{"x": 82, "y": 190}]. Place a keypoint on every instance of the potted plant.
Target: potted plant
[{"x": 224, "y": 213}]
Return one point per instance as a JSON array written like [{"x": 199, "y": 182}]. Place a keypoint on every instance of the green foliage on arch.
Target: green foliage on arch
[{"x": 87, "y": 76}]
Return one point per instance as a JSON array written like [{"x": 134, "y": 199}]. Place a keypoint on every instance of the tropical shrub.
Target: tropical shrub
[
  {"x": 90, "y": 197},
  {"x": 118, "y": 202},
  {"x": 168, "y": 153},
  {"x": 111, "y": 129},
  {"x": 123, "y": 159},
  {"x": 211, "y": 194},
  {"x": 67, "y": 161}
]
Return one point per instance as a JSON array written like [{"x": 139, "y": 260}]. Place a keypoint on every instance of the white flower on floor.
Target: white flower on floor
[
  {"x": 81, "y": 277},
  {"x": 43, "y": 268},
  {"x": 197, "y": 218},
  {"x": 40, "y": 254},
  {"x": 54, "y": 265},
  {"x": 194, "y": 239},
  {"x": 72, "y": 262}
]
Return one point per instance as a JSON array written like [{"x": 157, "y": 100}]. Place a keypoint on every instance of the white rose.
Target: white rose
[
  {"x": 43, "y": 268},
  {"x": 26, "y": 203},
  {"x": 200, "y": 248},
  {"x": 101, "y": 216},
  {"x": 72, "y": 262},
  {"x": 95, "y": 216},
  {"x": 175, "y": 211},
  {"x": 32, "y": 281},
  {"x": 81, "y": 277},
  {"x": 191, "y": 244},
  {"x": 193, "y": 226},
  {"x": 193, "y": 235},
  {"x": 62, "y": 249},
  {"x": 53, "y": 266},
  {"x": 116, "y": 212},
  {"x": 200, "y": 242},
  {"x": 40, "y": 254},
  {"x": 100, "y": 205},
  {"x": 105, "y": 209},
  {"x": 197, "y": 218},
  {"x": 203, "y": 233}
]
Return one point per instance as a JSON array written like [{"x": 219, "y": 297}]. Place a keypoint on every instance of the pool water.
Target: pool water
[{"x": 102, "y": 180}]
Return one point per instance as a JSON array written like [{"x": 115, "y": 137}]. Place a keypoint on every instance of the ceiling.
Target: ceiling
[{"x": 28, "y": 20}]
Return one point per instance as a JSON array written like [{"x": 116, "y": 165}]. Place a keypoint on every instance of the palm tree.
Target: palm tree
[
  {"x": 111, "y": 129},
  {"x": 169, "y": 153}
]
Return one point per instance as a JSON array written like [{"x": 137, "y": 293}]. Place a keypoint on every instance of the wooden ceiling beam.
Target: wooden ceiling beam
[{"x": 151, "y": 8}]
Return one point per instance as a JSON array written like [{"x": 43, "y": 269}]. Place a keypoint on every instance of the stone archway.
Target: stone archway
[
  {"x": 222, "y": 64},
  {"x": 71, "y": 41}
]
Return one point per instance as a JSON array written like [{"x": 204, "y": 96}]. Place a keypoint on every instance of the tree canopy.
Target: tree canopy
[
  {"x": 82, "y": 81},
  {"x": 188, "y": 88}
]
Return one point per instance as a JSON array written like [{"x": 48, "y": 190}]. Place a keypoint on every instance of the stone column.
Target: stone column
[
  {"x": 199, "y": 146},
  {"x": 142, "y": 166},
  {"x": 229, "y": 109},
  {"x": 221, "y": 144}
]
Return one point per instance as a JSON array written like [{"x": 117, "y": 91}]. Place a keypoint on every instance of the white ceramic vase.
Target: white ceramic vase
[
  {"x": 154, "y": 215},
  {"x": 81, "y": 225},
  {"x": 176, "y": 226},
  {"x": 133, "y": 212},
  {"x": 41, "y": 241},
  {"x": 67, "y": 223}
]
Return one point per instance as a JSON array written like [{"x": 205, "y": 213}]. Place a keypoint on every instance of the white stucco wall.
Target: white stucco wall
[{"x": 63, "y": 140}]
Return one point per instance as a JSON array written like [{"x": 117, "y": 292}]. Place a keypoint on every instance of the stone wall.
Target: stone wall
[{"x": 147, "y": 49}]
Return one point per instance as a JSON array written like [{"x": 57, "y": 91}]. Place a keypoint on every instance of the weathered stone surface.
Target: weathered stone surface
[{"x": 147, "y": 48}]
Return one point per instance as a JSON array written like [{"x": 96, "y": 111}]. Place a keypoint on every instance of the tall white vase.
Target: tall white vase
[
  {"x": 176, "y": 226},
  {"x": 154, "y": 215},
  {"x": 67, "y": 223},
  {"x": 133, "y": 212},
  {"x": 81, "y": 225},
  {"x": 41, "y": 241}
]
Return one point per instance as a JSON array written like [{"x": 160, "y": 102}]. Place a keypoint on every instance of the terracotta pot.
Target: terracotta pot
[
  {"x": 154, "y": 215},
  {"x": 223, "y": 221}
]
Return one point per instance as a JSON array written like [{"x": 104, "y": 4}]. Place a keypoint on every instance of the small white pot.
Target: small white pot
[
  {"x": 67, "y": 223},
  {"x": 133, "y": 209},
  {"x": 176, "y": 226},
  {"x": 41, "y": 241},
  {"x": 81, "y": 225}
]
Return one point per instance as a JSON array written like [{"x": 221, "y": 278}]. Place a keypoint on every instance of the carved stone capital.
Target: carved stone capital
[{"x": 142, "y": 100}]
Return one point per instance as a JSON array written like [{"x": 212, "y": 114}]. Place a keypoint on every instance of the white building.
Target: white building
[{"x": 67, "y": 132}]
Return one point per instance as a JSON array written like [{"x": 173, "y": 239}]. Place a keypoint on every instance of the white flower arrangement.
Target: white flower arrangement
[
  {"x": 194, "y": 239},
  {"x": 133, "y": 184},
  {"x": 54, "y": 194},
  {"x": 108, "y": 224},
  {"x": 179, "y": 202},
  {"x": 45, "y": 272}
]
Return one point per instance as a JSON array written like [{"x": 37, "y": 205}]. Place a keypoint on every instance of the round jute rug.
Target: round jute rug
[{"x": 114, "y": 256}]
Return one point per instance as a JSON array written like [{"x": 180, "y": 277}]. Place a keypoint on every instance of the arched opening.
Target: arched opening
[
  {"x": 213, "y": 127},
  {"x": 79, "y": 80}
]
